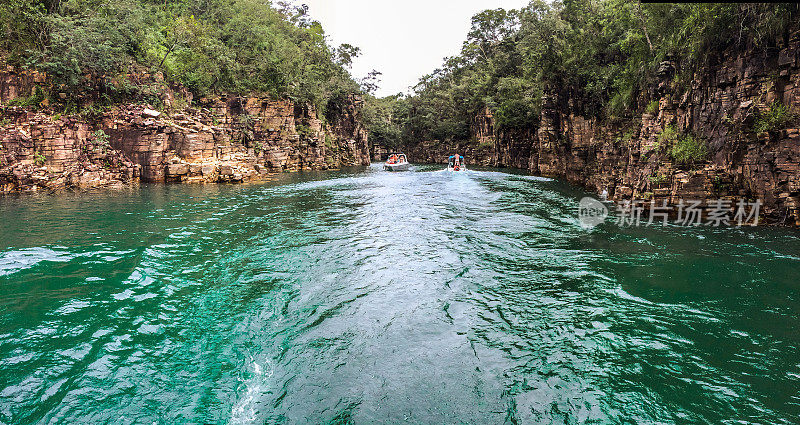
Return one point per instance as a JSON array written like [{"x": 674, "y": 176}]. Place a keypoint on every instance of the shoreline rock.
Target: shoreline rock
[
  {"x": 630, "y": 158},
  {"x": 226, "y": 140}
]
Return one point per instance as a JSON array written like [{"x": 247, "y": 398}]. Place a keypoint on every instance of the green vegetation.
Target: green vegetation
[
  {"x": 688, "y": 149},
  {"x": 668, "y": 135},
  {"x": 775, "y": 118},
  {"x": 35, "y": 99},
  {"x": 304, "y": 131},
  {"x": 720, "y": 185},
  {"x": 38, "y": 158},
  {"x": 659, "y": 179},
  {"x": 101, "y": 138},
  {"x": 601, "y": 55},
  {"x": 384, "y": 118},
  {"x": 625, "y": 138},
  {"x": 93, "y": 111},
  {"x": 209, "y": 46},
  {"x": 246, "y": 125},
  {"x": 485, "y": 145},
  {"x": 652, "y": 107},
  {"x": 683, "y": 148}
]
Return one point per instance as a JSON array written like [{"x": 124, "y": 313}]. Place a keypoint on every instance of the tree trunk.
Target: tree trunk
[
  {"x": 171, "y": 48},
  {"x": 644, "y": 24}
]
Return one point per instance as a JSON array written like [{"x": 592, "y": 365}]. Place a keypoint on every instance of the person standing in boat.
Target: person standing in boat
[{"x": 455, "y": 162}]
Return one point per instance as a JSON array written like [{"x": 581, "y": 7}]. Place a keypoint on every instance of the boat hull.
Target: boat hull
[{"x": 396, "y": 167}]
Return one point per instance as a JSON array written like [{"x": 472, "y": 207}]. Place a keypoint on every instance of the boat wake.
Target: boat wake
[{"x": 247, "y": 409}]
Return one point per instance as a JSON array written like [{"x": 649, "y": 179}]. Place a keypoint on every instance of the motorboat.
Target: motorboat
[
  {"x": 456, "y": 163},
  {"x": 397, "y": 162}
]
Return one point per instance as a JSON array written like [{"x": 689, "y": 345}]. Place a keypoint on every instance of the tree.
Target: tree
[
  {"x": 182, "y": 31},
  {"x": 603, "y": 55},
  {"x": 231, "y": 46},
  {"x": 24, "y": 27},
  {"x": 345, "y": 54},
  {"x": 490, "y": 27},
  {"x": 370, "y": 83}
]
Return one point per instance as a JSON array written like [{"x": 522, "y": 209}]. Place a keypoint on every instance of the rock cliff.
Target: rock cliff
[
  {"x": 221, "y": 139},
  {"x": 729, "y": 107}
]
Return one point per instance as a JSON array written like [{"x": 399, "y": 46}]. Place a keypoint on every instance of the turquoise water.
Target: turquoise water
[{"x": 365, "y": 297}]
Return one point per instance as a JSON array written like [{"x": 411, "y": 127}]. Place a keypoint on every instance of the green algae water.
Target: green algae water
[{"x": 365, "y": 297}]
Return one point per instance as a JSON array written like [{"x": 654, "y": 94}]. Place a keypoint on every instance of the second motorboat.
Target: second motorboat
[{"x": 456, "y": 163}]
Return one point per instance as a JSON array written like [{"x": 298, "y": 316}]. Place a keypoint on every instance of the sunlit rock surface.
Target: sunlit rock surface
[{"x": 226, "y": 139}]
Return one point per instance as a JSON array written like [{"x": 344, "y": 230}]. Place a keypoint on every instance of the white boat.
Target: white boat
[
  {"x": 455, "y": 164},
  {"x": 397, "y": 162}
]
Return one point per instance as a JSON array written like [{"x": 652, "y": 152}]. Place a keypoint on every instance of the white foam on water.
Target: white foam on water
[
  {"x": 246, "y": 411},
  {"x": 15, "y": 261}
]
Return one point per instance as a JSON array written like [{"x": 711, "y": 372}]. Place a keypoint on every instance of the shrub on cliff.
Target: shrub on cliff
[
  {"x": 23, "y": 28},
  {"x": 669, "y": 135},
  {"x": 652, "y": 108},
  {"x": 775, "y": 118},
  {"x": 683, "y": 148},
  {"x": 688, "y": 149},
  {"x": 35, "y": 99}
]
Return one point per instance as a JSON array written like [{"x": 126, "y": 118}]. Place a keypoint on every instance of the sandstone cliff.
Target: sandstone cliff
[
  {"x": 222, "y": 139},
  {"x": 630, "y": 158}
]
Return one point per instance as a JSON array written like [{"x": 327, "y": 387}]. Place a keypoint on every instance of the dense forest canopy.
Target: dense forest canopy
[
  {"x": 601, "y": 52},
  {"x": 604, "y": 53},
  {"x": 209, "y": 46}
]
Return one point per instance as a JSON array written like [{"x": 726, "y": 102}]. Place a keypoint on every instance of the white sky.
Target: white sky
[{"x": 403, "y": 39}]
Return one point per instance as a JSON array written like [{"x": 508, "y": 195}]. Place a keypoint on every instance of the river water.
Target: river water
[{"x": 362, "y": 296}]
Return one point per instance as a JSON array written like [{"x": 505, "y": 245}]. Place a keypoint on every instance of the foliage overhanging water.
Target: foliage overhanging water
[{"x": 369, "y": 297}]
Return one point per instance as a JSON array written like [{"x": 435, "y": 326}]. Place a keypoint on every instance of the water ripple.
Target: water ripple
[{"x": 364, "y": 296}]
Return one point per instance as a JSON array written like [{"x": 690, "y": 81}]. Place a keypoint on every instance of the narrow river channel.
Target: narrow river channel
[{"x": 363, "y": 296}]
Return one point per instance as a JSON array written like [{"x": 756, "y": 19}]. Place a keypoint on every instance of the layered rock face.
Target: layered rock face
[
  {"x": 631, "y": 159},
  {"x": 236, "y": 139},
  {"x": 42, "y": 152},
  {"x": 228, "y": 139}
]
